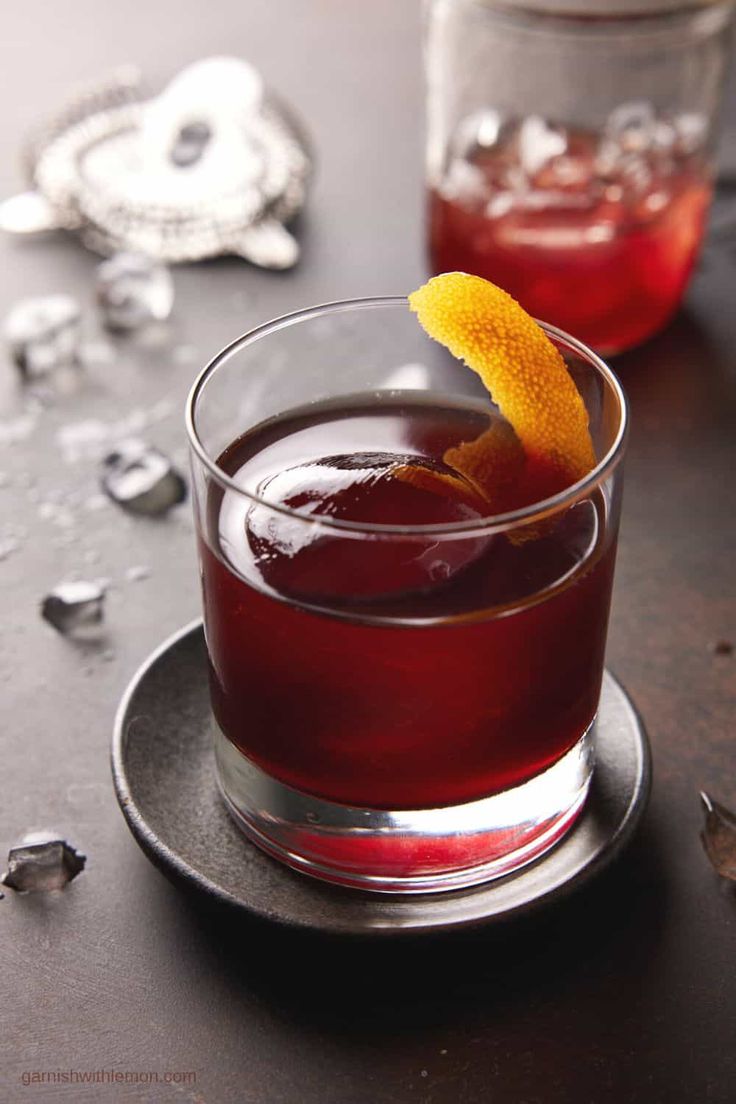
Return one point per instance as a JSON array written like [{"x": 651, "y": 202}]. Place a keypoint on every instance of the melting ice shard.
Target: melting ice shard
[
  {"x": 42, "y": 861},
  {"x": 43, "y": 333},
  {"x": 133, "y": 290},
  {"x": 141, "y": 479},
  {"x": 74, "y": 608}
]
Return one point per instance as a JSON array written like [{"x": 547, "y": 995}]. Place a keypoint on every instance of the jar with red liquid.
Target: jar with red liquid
[{"x": 570, "y": 153}]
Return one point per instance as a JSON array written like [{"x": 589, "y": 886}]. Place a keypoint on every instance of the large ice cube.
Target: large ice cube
[
  {"x": 141, "y": 479},
  {"x": 42, "y": 861},
  {"x": 74, "y": 608},
  {"x": 298, "y": 556},
  {"x": 43, "y": 333},
  {"x": 133, "y": 290}
]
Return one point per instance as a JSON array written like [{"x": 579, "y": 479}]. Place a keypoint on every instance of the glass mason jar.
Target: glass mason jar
[{"x": 570, "y": 153}]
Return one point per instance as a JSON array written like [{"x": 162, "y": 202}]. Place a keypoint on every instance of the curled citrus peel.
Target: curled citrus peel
[
  {"x": 491, "y": 467},
  {"x": 528, "y": 381},
  {"x": 493, "y": 463},
  {"x": 462, "y": 490}
]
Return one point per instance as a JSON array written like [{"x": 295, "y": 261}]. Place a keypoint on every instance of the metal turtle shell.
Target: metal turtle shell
[{"x": 212, "y": 176}]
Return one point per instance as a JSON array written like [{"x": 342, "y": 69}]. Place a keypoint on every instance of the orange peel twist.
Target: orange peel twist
[
  {"x": 528, "y": 380},
  {"x": 493, "y": 463}
]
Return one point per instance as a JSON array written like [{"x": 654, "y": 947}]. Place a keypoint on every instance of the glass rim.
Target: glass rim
[{"x": 525, "y": 515}]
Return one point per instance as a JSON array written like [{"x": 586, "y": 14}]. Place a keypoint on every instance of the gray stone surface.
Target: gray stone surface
[{"x": 623, "y": 994}]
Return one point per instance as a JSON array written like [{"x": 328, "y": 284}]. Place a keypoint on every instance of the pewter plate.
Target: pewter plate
[{"x": 163, "y": 769}]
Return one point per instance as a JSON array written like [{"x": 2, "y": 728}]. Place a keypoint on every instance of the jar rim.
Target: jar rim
[{"x": 593, "y": 11}]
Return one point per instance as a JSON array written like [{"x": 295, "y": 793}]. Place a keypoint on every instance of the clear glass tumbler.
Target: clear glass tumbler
[
  {"x": 404, "y": 690},
  {"x": 570, "y": 152}
]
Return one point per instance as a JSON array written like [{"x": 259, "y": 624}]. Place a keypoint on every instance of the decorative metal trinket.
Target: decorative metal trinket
[{"x": 215, "y": 164}]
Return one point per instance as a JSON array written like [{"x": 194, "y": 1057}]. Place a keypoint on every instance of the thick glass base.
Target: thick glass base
[{"x": 408, "y": 851}]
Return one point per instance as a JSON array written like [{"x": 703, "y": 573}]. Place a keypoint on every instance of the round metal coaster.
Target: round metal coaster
[{"x": 162, "y": 764}]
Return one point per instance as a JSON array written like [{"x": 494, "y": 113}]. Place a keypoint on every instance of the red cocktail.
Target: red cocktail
[
  {"x": 341, "y": 667},
  {"x": 404, "y": 688}
]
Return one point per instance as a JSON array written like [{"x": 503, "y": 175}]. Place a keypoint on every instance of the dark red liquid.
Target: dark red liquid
[
  {"x": 402, "y": 673},
  {"x": 607, "y": 260}
]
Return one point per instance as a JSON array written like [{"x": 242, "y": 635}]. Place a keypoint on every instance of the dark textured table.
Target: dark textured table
[{"x": 624, "y": 993}]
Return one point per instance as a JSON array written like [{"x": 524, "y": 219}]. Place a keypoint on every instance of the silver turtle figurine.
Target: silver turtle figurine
[{"x": 213, "y": 165}]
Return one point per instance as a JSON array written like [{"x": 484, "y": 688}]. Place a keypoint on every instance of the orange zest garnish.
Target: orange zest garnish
[
  {"x": 493, "y": 463},
  {"x": 525, "y": 374},
  {"x": 438, "y": 482}
]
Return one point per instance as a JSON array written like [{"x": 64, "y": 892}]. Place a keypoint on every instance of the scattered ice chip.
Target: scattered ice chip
[
  {"x": 90, "y": 439},
  {"x": 42, "y": 861},
  {"x": 7, "y": 547},
  {"x": 43, "y": 333},
  {"x": 133, "y": 290},
  {"x": 64, "y": 539},
  {"x": 74, "y": 608},
  {"x": 137, "y": 573},
  {"x": 57, "y": 513},
  {"x": 96, "y": 502},
  {"x": 141, "y": 479},
  {"x": 184, "y": 354},
  {"x": 15, "y": 531},
  {"x": 18, "y": 429}
]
